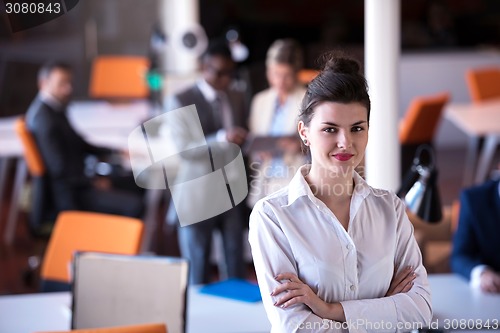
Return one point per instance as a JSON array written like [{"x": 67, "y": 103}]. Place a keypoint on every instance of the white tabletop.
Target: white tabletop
[
  {"x": 52, "y": 311},
  {"x": 95, "y": 115},
  {"x": 35, "y": 312},
  {"x": 476, "y": 119},
  {"x": 10, "y": 146},
  {"x": 453, "y": 299},
  {"x": 102, "y": 123},
  {"x": 220, "y": 315},
  {"x": 7, "y": 125},
  {"x": 451, "y": 296}
]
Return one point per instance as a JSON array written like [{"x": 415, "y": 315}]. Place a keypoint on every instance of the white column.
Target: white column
[
  {"x": 382, "y": 50},
  {"x": 177, "y": 16}
]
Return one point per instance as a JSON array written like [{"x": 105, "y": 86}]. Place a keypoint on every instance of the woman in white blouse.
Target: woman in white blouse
[{"x": 332, "y": 253}]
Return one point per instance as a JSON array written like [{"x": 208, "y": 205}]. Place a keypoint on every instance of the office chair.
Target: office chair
[
  {"x": 143, "y": 328},
  {"x": 42, "y": 211},
  {"x": 86, "y": 231},
  {"x": 419, "y": 125},
  {"x": 42, "y": 214},
  {"x": 483, "y": 83},
  {"x": 119, "y": 77}
]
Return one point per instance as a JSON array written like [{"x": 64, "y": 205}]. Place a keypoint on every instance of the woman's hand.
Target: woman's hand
[
  {"x": 402, "y": 282},
  {"x": 294, "y": 291}
]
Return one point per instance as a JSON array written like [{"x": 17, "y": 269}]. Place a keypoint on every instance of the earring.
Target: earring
[{"x": 305, "y": 142}]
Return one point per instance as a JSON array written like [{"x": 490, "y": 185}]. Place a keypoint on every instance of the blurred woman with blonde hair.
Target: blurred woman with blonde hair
[{"x": 274, "y": 112}]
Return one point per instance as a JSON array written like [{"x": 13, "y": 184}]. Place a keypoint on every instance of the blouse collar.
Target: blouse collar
[{"x": 299, "y": 187}]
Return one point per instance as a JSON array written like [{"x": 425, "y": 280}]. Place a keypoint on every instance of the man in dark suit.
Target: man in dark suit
[
  {"x": 476, "y": 243},
  {"x": 64, "y": 151},
  {"x": 221, "y": 112}
]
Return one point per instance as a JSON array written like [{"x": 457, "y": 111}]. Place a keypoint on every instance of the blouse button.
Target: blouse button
[
  {"x": 349, "y": 246},
  {"x": 353, "y": 287}
]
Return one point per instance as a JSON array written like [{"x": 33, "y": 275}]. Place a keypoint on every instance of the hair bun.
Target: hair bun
[{"x": 339, "y": 63}]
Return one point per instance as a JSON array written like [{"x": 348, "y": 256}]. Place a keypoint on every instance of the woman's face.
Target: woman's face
[
  {"x": 281, "y": 77},
  {"x": 337, "y": 135}
]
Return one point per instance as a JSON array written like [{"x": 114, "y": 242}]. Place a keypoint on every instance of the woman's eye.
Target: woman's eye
[
  {"x": 329, "y": 130},
  {"x": 356, "y": 129}
]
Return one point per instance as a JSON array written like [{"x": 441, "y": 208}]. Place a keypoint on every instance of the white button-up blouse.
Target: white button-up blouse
[{"x": 293, "y": 231}]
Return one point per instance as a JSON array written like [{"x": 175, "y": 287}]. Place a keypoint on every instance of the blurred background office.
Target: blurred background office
[{"x": 440, "y": 41}]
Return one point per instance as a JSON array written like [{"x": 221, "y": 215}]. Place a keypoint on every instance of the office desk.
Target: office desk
[
  {"x": 99, "y": 122},
  {"x": 453, "y": 299},
  {"x": 451, "y": 295},
  {"x": 206, "y": 314},
  {"x": 477, "y": 120},
  {"x": 89, "y": 117}
]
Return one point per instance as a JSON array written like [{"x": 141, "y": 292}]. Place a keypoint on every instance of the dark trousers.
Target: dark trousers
[
  {"x": 124, "y": 198},
  {"x": 195, "y": 243},
  {"x": 113, "y": 201}
]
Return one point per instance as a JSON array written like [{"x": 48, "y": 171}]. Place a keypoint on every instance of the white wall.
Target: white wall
[{"x": 429, "y": 73}]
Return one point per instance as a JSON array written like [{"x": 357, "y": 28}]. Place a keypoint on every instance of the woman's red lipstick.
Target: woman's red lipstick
[{"x": 343, "y": 157}]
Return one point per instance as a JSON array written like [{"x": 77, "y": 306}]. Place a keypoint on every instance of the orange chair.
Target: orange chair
[
  {"x": 483, "y": 83},
  {"x": 32, "y": 156},
  {"x": 119, "y": 77},
  {"x": 307, "y": 75},
  {"x": 42, "y": 209},
  {"x": 419, "y": 125},
  {"x": 422, "y": 118},
  {"x": 42, "y": 213},
  {"x": 143, "y": 328},
  {"x": 86, "y": 231}
]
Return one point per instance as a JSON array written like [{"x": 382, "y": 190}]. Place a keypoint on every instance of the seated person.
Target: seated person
[
  {"x": 64, "y": 152},
  {"x": 476, "y": 249}
]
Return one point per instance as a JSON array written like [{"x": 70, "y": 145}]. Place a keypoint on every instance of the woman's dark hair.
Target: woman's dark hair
[{"x": 339, "y": 81}]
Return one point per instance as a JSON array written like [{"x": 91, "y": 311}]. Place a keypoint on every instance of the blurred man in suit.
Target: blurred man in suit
[
  {"x": 64, "y": 151},
  {"x": 221, "y": 111},
  {"x": 476, "y": 246}
]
